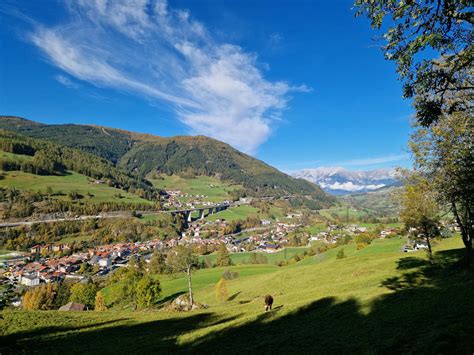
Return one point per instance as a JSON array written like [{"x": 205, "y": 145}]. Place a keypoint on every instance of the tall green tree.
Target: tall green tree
[
  {"x": 444, "y": 154},
  {"x": 420, "y": 212},
  {"x": 157, "y": 263},
  {"x": 431, "y": 42},
  {"x": 183, "y": 260},
  {"x": 148, "y": 292},
  {"x": 84, "y": 293}
]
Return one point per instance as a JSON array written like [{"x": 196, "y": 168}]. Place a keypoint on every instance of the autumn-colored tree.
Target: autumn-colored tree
[
  {"x": 223, "y": 257},
  {"x": 221, "y": 290},
  {"x": 100, "y": 305},
  {"x": 40, "y": 297}
]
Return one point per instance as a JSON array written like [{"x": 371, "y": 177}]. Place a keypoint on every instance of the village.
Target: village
[{"x": 56, "y": 262}]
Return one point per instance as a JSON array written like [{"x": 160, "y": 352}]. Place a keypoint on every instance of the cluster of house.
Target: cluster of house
[
  {"x": 176, "y": 198},
  {"x": 335, "y": 232},
  {"x": 268, "y": 238}
]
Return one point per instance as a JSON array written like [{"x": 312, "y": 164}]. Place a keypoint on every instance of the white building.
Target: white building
[{"x": 30, "y": 280}]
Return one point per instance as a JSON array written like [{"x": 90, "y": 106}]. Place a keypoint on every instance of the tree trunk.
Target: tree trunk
[
  {"x": 466, "y": 232},
  {"x": 190, "y": 286},
  {"x": 430, "y": 251},
  {"x": 427, "y": 238}
]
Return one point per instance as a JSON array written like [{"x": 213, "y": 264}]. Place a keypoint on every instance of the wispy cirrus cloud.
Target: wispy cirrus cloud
[
  {"x": 145, "y": 47},
  {"x": 67, "y": 82},
  {"x": 375, "y": 160}
]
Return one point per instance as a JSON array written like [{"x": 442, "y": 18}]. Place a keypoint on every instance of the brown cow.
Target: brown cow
[{"x": 268, "y": 303}]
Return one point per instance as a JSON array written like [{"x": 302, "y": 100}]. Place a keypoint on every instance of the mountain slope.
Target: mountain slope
[
  {"x": 383, "y": 201},
  {"x": 144, "y": 154},
  {"x": 340, "y": 181}
]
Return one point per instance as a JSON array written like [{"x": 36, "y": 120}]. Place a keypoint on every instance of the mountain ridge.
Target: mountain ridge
[
  {"x": 145, "y": 154},
  {"x": 340, "y": 181}
]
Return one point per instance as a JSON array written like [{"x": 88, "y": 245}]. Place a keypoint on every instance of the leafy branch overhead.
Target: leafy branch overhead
[{"x": 431, "y": 43}]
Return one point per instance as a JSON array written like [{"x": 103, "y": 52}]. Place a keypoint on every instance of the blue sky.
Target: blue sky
[{"x": 298, "y": 84}]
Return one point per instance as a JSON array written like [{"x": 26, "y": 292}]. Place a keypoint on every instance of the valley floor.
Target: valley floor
[{"x": 375, "y": 300}]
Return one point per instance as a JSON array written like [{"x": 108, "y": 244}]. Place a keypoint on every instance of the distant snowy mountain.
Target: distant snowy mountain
[{"x": 340, "y": 181}]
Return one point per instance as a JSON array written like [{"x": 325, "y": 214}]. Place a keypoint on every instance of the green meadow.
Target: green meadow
[
  {"x": 214, "y": 189},
  {"x": 234, "y": 213},
  {"x": 72, "y": 182},
  {"x": 272, "y": 258},
  {"x": 375, "y": 300}
]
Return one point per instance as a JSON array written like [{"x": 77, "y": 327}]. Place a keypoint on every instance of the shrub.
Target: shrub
[
  {"x": 341, "y": 254},
  {"x": 229, "y": 275}
]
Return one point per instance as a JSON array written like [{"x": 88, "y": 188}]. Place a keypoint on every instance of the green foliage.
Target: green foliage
[
  {"x": 223, "y": 257},
  {"x": 257, "y": 258},
  {"x": 63, "y": 294},
  {"x": 414, "y": 31},
  {"x": 157, "y": 264},
  {"x": 7, "y": 293},
  {"x": 341, "y": 254},
  {"x": 444, "y": 156},
  {"x": 189, "y": 156},
  {"x": 420, "y": 211},
  {"x": 53, "y": 159},
  {"x": 147, "y": 292},
  {"x": 230, "y": 275},
  {"x": 84, "y": 293}
]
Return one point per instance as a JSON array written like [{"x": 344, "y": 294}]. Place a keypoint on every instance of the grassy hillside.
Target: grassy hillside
[
  {"x": 377, "y": 300},
  {"x": 241, "y": 258},
  {"x": 215, "y": 189},
  {"x": 61, "y": 186},
  {"x": 382, "y": 202},
  {"x": 144, "y": 154}
]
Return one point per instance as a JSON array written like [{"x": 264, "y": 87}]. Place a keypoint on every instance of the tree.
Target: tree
[
  {"x": 157, "y": 263},
  {"x": 41, "y": 297},
  {"x": 84, "y": 293},
  {"x": 420, "y": 212},
  {"x": 444, "y": 155},
  {"x": 221, "y": 290},
  {"x": 340, "y": 254},
  {"x": 223, "y": 257},
  {"x": 148, "y": 292},
  {"x": 416, "y": 30},
  {"x": 63, "y": 294},
  {"x": 182, "y": 259},
  {"x": 100, "y": 302},
  {"x": 6, "y": 295}
]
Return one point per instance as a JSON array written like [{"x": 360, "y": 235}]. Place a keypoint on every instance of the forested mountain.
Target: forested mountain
[{"x": 142, "y": 154}]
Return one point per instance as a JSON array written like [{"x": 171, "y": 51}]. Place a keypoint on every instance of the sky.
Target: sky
[{"x": 296, "y": 83}]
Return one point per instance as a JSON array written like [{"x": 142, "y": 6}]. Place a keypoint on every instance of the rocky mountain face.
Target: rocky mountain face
[{"x": 340, "y": 181}]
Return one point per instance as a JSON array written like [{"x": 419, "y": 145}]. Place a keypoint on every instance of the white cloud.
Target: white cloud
[
  {"x": 350, "y": 186},
  {"x": 67, "y": 82},
  {"x": 375, "y": 160},
  {"x": 147, "y": 48}
]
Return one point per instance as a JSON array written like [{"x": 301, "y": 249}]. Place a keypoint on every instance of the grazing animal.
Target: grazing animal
[{"x": 268, "y": 303}]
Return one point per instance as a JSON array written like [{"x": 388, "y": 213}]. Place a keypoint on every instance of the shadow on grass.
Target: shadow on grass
[
  {"x": 429, "y": 310},
  {"x": 234, "y": 296}
]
